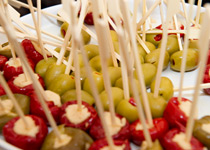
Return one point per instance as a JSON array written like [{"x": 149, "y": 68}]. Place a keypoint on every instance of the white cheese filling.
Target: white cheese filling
[
  {"x": 77, "y": 116},
  {"x": 21, "y": 80},
  {"x": 140, "y": 126},
  {"x": 7, "y": 107},
  {"x": 65, "y": 139},
  {"x": 21, "y": 129},
  {"x": 114, "y": 128},
  {"x": 180, "y": 139},
  {"x": 13, "y": 63},
  {"x": 52, "y": 96},
  {"x": 185, "y": 106},
  {"x": 114, "y": 147},
  {"x": 206, "y": 127}
]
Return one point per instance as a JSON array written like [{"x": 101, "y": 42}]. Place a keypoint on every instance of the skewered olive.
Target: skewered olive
[
  {"x": 43, "y": 65},
  {"x": 62, "y": 83},
  {"x": 191, "y": 62},
  {"x": 114, "y": 74},
  {"x": 70, "y": 95},
  {"x": 91, "y": 50},
  {"x": 117, "y": 95},
  {"x": 153, "y": 58},
  {"x": 5, "y": 51},
  {"x": 166, "y": 89},
  {"x": 154, "y": 38},
  {"x": 172, "y": 44}
]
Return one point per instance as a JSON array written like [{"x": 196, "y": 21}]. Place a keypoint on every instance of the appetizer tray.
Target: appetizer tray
[{"x": 51, "y": 25}]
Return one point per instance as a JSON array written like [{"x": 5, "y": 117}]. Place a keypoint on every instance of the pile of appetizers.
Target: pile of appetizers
[{"x": 95, "y": 97}]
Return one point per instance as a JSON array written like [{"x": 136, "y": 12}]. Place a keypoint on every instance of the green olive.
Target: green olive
[
  {"x": 172, "y": 44},
  {"x": 149, "y": 45},
  {"x": 153, "y": 58},
  {"x": 80, "y": 140},
  {"x": 193, "y": 44},
  {"x": 114, "y": 74},
  {"x": 62, "y": 83},
  {"x": 119, "y": 84},
  {"x": 154, "y": 38},
  {"x": 53, "y": 71},
  {"x": 6, "y": 51},
  {"x": 149, "y": 72},
  {"x": 191, "y": 62},
  {"x": 70, "y": 95},
  {"x": 199, "y": 133},
  {"x": 81, "y": 61},
  {"x": 83, "y": 74},
  {"x": 166, "y": 89},
  {"x": 155, "y": 146},
  {"x": 117, "y": 95},
  {"x": 24, "y": 103},
  {"x": 58, "y": 49},
  {"x": 95, "y": 63},
  {"x": 85, "y": 35},
  {"x": 98, "y": 78},
  {"x": 43, "y": 65},
  {"x": 157, "y": 105},
  {"x": 116, "y": 47},
  {"x": 127, "y": 110},
  {"x": 113, "y": 35},
  {"x": 91, "y": 50}
]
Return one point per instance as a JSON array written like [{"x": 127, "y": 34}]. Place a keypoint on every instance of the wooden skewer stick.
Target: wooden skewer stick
[
  {"x": 202, "y": 86},
  {"x": 96, "y": 96},
  {"x": 160, "y": 31},
  {"x": 75, "y": 46},
  {"x": 103, "y": 46},
  {"x": 184, "y": 56},
  {"x": 161, "y": 11},
  {"x": 1, "y": 105},
  {"x": 135, "y": 6},
  {"x": 9, "y": 20},
  {"x": 37, "y": 25},
  {"x": 148, "y": 14},
  {"x": 198, "y": 13},
  {"x": 172, "y": 9},
  {"x": 178, "y": 35},
  {"x": 139, "y": 72},
  {"x": 12, "y": 98},
  {"x": 144, "y": 24},
  {"x": 83, "y": 12},
  {"x": 137, "y": 64},
  {"x": 203, "y": 47},
  {"x": 12, "y": 38}
]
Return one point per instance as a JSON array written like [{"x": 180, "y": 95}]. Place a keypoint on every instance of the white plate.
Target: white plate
[{"x": 50, "y": 25}]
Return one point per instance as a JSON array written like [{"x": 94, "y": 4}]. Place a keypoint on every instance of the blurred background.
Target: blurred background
[{"x": 47, "y": 3}]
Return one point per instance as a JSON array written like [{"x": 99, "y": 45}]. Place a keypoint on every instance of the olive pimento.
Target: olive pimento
[
  {"x": 72, "y": 117},
  {"x": 20, "y": 84},
  {"x": 177, "y": 112},
  {"x": 103, "y": 144},
  {"x": 13, "y": 68},
  {"x": 31, "y": 52},
  {"x": 16, "y": 133},
  {"x": 53, "y": 103},
  {"x": 157, "y": 131},
  {"x": 119, "y": 130}
]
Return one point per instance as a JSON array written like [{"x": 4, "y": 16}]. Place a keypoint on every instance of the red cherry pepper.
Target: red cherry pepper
[
  {"x": 157, "y": 131},
  {"x": 22, "y": 141},
  {"x": 11, "y": 71},
  {"x": 206, "y": 78},
  {"x": 97, "y": 131},
  {"x": 23, "y": 90},
  {"x": 3, "y": 60},
  {"x": 36, "y": 108},
  {"x": 31, "y": 52},
  {"x": 86, "y": 124},
  {"x": 2, "y": 92},
  {"x": 89, "y": 18},
  {"x": 99, "y": 144},
  {"x": 168, "y": 144},
  {"x": 174, "y": 114}
]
